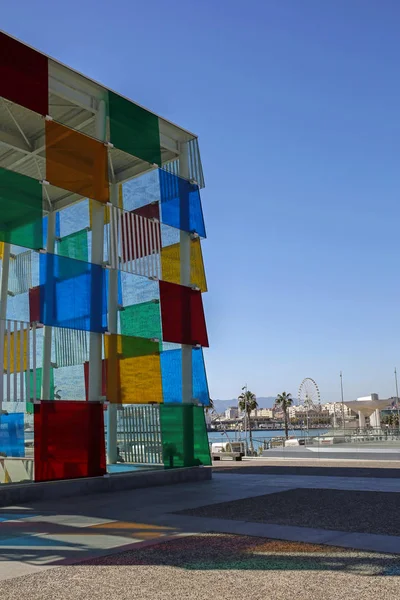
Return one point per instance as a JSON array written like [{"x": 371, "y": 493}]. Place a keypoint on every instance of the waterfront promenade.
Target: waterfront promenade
[{"x": 286, "y": 528}]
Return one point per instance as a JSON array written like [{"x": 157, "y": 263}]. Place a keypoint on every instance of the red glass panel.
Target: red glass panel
[
  {"x": 182, "y": 315},
  {"x": 69, "y": 440},
  {"x": 24, "y": 75},
  {"x": 150, "y": 211},
  {"x": 34, "y": 304}
]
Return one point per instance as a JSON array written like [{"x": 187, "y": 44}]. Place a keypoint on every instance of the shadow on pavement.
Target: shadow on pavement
[{"x": 232, "y": 552}]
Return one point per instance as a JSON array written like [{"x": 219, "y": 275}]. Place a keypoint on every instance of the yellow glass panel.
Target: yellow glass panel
[
  {"x": 140, "y": 380},
  {"x": 107, "y": 208},
  {"x": 112, "y": 345},
  {"x": 171, "y": 269},
  {"x": 10, "y": 368},
  {"x": 135, "y": 380},
  {"x": 1, "y": 250}
]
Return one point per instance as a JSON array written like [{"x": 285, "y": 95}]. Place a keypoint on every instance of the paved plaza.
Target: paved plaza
[{"x": 253, "y": 530}]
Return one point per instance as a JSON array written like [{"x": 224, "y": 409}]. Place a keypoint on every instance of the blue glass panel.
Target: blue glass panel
[
  {"x": 171, "y": 373},
  {"x": 12, "y": 435},
  {"x": 72, "y": 294},
  {"x": 200, "y": 385},
  {"x": 181, "y": 204}
]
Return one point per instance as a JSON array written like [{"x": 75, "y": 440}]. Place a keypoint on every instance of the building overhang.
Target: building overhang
[{"x": 74, "y": 101}]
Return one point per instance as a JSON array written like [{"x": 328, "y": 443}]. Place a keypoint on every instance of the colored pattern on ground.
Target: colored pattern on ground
[
  {"x": 43, "y": 539},
  {"x": 205, "y": 566}
]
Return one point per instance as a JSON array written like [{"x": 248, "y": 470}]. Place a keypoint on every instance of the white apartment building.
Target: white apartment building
[
  {"x": 232, "y": 413},
  {"x": 263, "y": 413},
  {"x": 336, "y": 408}
]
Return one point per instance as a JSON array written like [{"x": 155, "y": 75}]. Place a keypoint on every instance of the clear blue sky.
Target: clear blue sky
[{"x": 297, "y": 108}]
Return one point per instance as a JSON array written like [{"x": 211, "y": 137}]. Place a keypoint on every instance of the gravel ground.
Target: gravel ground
[
  {"x": 322, "y": 509},
  {"x": 203, "y": 567}
]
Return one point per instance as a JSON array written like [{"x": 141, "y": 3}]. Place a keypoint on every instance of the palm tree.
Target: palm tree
[
  {"x": 247, "y": 402},
  {"x": 284, "y": 400}
]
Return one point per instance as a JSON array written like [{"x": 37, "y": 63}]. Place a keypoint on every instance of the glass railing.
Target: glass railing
[{"x": 368, "y": 443}]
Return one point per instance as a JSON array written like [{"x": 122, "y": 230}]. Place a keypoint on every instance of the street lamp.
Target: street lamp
[
  {"x": 397, "y": 396},
  {"x": 341, "y": 388},
  {"x": 245, "y": 419}
]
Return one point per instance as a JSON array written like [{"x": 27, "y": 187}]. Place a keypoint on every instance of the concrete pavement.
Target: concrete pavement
[{"x": 42, "y": 535}]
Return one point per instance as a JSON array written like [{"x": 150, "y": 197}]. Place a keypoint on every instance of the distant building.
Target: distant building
[
  {"x": 262, "y": 413},
  {"x": 312, "y": 413},
  {"x": 232, "y": 413},
  {"x": 369, "y": 407},
  {"x": 335, "y": 408}
]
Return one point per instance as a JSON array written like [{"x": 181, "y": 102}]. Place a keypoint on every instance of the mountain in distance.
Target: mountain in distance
[{"x": 263, "y": 402}]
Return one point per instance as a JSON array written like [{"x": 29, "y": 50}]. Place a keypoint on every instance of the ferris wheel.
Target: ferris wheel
[{"x": 308, "y": 395}]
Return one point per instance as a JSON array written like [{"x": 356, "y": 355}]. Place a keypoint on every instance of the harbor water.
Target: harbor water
[{"x": 261, "y": 436}]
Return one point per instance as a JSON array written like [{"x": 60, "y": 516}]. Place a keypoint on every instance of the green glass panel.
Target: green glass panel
[
  {"x": 134, "y": 129},
  {"x": 21, "y": 221},
  {"x": 184, "y": 436},
  {"x": 29, "y": 405},
  {"x": 74, "y": 246},
  {"x": 133, "y": 346},
  {"x": 128, "y": 346},
  {"x": 201, "y": 446},
  {"x": 142, "y": 320}
]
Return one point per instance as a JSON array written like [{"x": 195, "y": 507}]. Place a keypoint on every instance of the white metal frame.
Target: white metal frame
[{"x": 84, "y": 103}]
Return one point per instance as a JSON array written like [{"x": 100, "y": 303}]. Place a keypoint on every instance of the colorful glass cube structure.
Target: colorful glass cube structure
[{"x": 102, "y": 325}]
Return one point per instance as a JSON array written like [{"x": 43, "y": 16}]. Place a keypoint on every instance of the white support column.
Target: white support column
[
  {"x": 95, "y": 339},
  {"x": 112, "y": 453},
  {"x": 375, "y": 419},
  {"x": 3, "y": 314},
  {"x": 47, "y": 331},
  {"x": 185, "y": 245}
]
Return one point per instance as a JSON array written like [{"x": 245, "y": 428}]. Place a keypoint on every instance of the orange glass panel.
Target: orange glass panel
[{"x": 76, "y": 162}]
